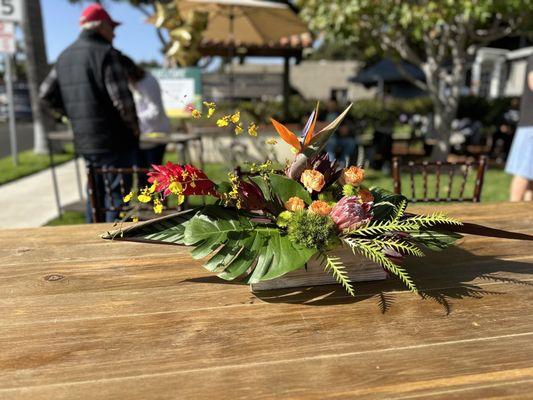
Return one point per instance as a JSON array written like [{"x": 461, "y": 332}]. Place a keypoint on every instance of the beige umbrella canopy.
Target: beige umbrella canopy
[{"x": 255, "y": 22}]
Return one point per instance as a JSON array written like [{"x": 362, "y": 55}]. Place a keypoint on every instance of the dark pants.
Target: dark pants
[
  {"x": 149, "y": 157},
  {"x": 110, "y": 188}
]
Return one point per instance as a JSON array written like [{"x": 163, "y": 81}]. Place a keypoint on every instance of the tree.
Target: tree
[
  {"x": 37, "y": 68},
  {"x": 439, "y": 36}
]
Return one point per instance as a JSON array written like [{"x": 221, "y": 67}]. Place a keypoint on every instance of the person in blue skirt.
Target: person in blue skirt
[{"x": 520, "y": 160}]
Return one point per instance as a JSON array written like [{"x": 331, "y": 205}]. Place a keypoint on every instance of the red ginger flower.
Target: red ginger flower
[
  {"x": 350, "y": 214},
  {"x": 185, "y": 180}
]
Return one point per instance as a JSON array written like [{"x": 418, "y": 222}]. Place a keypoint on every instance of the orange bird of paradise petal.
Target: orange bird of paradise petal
[
  {"x": 309, "y": 130},
  {"x": 287, "y": 135}
]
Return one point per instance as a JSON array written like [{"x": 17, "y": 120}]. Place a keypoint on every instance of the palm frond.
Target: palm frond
[{"x": 334, "y": 265}]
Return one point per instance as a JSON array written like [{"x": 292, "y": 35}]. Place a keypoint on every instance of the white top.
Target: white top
[{"x": 149, "y": 106}]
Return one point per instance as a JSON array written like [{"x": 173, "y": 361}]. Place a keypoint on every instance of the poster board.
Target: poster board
[{"x": 181, "y": 88}]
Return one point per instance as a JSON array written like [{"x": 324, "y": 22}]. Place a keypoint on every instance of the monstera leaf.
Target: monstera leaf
[{"x": 235, "y": 245}]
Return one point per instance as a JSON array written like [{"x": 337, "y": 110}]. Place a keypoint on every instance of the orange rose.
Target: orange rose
[
  {"x": 312, "y": 180},
  {"x": 365, "y": 195},
  {"x": 294, "y": 204},
  {"x": 352, "y": 176},
  {"x": 320, "y": 207}
]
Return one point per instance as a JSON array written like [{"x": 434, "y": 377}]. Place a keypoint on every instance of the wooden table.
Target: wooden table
[{"x": 84, "y": 318}]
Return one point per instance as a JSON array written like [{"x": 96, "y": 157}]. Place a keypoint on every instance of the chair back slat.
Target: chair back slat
[
  {"x": 412, "y": 175},
  {"x": 451, "y": 174},
  {"x": 480, "y": 174},
  {"x": 425, "y": 178},
  {"x": 102, "y": 179},
  {"x": 431, "y": 173},
  {"x": 437, "y": 178},
  {"x": 466, "y": 169}
]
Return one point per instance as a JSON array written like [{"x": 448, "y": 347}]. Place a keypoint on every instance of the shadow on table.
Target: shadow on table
[{"x": 436, "y": 278}]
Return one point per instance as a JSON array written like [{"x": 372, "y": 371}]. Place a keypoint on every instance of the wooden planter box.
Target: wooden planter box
[{"x": 358, "y": 268}]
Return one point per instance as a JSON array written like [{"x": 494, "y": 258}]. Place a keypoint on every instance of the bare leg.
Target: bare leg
[
  {"x": 519, "y": 186},
  {"x": 528, "y": 196}
]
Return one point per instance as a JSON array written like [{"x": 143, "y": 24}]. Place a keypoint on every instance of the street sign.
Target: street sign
[
  {"x": 8, "y": 43},
  {"x": 11, "y": 10}
]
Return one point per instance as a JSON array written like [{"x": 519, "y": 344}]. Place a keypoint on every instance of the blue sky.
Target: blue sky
[{"x": 134, "y": 37}]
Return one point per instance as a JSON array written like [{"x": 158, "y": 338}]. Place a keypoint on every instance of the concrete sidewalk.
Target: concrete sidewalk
[{"x": 30, "y": 202}]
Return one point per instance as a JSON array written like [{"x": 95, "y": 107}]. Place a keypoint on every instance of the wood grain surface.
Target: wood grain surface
[{"x": 84, "y": 318}]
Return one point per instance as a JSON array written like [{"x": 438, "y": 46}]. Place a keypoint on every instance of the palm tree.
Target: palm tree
[{"x": 37, "y": 68}]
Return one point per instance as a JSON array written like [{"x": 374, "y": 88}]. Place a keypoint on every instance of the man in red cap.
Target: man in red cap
[{"x": 89, "y": 85}]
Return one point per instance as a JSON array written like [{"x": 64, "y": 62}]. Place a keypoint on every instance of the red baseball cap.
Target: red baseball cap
[{"x": 95, "y": 13}]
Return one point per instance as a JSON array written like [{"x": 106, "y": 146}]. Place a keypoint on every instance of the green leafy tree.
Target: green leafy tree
[{"x": 440, "y": 37}]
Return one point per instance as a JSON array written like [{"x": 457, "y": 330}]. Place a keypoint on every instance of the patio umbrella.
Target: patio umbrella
[{"x": 238, "y": 22}]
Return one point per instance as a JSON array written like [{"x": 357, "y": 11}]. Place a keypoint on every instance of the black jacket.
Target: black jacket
[{"x": 97, "y": 125}]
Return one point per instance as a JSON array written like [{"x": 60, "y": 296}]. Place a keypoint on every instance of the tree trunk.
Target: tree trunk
[
  {"x": 442, "y": 124},
  {"x": 37, "y": 68}
]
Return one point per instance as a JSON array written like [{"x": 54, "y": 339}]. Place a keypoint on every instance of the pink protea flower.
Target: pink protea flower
[{"x": 350, "y": 214}]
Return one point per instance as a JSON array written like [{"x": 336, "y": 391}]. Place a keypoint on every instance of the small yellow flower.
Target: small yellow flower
[
  {"x": 175, "y": 188},
  {"x": 272, "y": 142},
  {"x": 135, "y": 219},
  {"x": 222, "y": 122},
  {"x": 196, "y": 114},
  {"x": 181, "y": 199},
  {"x": 210, "y": 112},
  {"x": 128, "y": 197},
  {"x": 153, "y": 187},
  {"x": 211, "y": 107},
  {"x": 236, "y": 117},
  {"x": 238, "y": 129},
  {"x": 252, "y": 129},
  {"x": 158, "y": 207},
  {"x": 144, "y": 198}
]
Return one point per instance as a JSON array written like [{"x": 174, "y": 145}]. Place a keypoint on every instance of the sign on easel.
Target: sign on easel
[{"x": 11, "y": 10}]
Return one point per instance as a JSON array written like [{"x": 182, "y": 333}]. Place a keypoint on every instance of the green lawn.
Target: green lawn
[{"x": 29, "y": 163}]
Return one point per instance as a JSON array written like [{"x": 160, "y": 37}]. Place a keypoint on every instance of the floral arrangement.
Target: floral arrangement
[{"x": 270, "y": 222}]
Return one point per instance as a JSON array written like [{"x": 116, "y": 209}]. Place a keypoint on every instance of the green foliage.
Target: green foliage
[
  {"x": 284, "y": 218},
  {"x": 373, "y": 250},
  {"x": 312, "y": 231},
  {"x": 334, "y": 265},
  {"x": 282, "y": 187},
  {"x": 349, "y": 190},
  {"x": 237, "y": 245}
]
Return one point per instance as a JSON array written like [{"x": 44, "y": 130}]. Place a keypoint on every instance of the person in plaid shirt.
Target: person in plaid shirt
[{"x": 89, "y": 86}]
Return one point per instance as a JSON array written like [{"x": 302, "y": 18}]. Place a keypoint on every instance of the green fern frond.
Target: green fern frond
[
  {"x": 338, "y": 270},
  {"x": 399, "y": 245},
  {"x": 407, "y": 225},
  {"x": 399, "y": 211},
  {"x": 373, "y": 251},
  {"x": 425, "y": 221}
]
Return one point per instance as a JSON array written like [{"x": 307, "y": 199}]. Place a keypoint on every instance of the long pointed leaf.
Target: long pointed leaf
[
  {"x": 286, "y": 134},
  {"x": 322, "y": 137}
]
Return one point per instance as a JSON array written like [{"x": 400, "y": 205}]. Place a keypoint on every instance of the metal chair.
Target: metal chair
[
  {"x": 102, "y": 183},
  {"x": 450, "y": 177}
]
